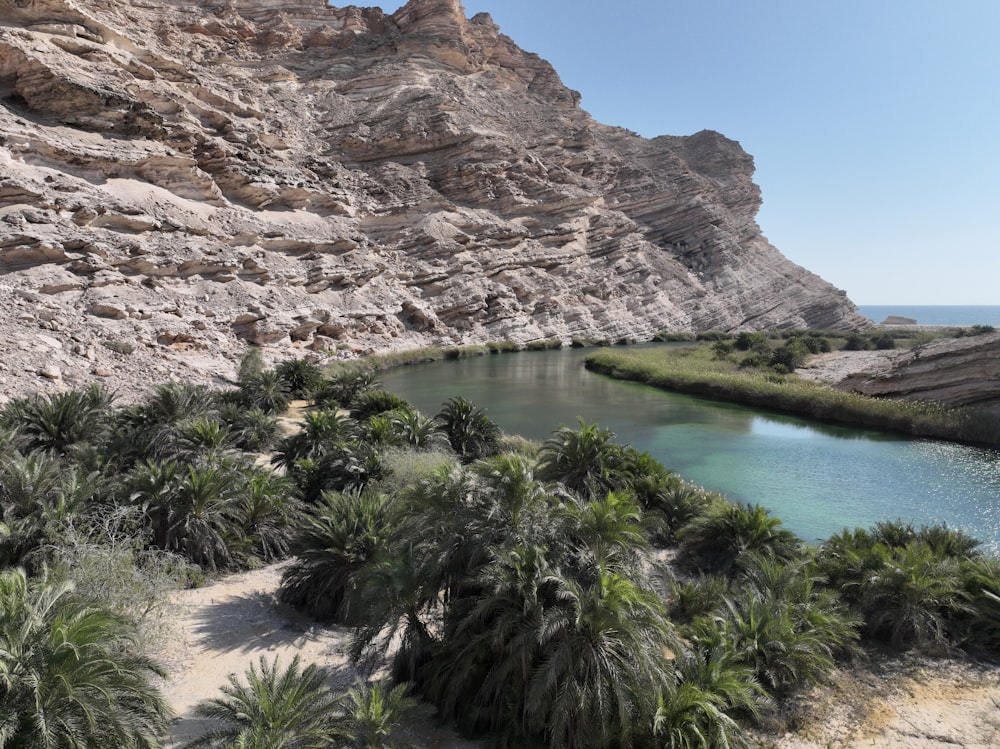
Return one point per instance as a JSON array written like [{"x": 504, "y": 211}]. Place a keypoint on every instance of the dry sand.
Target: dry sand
[{"x": 923, "y": 704}]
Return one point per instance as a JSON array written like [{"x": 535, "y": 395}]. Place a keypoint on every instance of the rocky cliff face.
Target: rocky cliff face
[{"x": 184, "y": 177}]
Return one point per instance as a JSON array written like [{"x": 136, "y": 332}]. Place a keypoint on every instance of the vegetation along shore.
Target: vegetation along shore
[
  {"x": 574, "y": 593},
  {"x": 757, "y": 369}
]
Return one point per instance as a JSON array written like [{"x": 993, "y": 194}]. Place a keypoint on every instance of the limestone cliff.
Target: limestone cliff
[{"x": 181, "y": 177}]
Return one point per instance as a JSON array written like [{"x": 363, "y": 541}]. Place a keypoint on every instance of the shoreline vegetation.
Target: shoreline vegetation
[
  {"x": 690, "y": 373},
  {"x": 575, "y": 594},
  {"x": 759, "y": 372}
]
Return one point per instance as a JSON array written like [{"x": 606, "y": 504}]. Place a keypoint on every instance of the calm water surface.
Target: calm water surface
[{"x": 817, "y": 478}]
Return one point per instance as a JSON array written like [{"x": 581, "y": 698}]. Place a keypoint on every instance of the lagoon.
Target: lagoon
[{"x": 818, "y": 478}]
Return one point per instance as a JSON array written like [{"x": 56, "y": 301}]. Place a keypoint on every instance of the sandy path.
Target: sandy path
[{"x": 230, "y": 623}]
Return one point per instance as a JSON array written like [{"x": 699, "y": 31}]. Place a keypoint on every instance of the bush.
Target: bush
[
  {"x": 300, "y": 377},
  {"x": 750, "y": 341},
  {"x": 856, "y": 342},
  {"x": 728, "y": 532},
  {"x": 722, "y": 349},
  {"x": 883, "y": 342},
  {"x": 375, "y": 402}
]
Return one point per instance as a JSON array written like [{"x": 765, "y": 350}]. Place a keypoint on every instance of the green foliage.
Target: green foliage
[
  {"x": 344, "y": 386},
  {"x": 470, "y": 432},
  {"x": 700, "y": 709},
  {"x": 418, "y": 431},
  {"x": 749, "y": 341},
  {"x": 780, "y": 623},
  {"x": 71, "y": 674},
  {"x": 38, "y": 493},
  {"x": 856, "y": 342},
  {"x": 722, "y": 349},
  {"x": 251, "y": 365},
  {"x": 374, "y": 402},
  {"x": 300, "y": 377},
  {"x": 372, "y": 713},
  {"x": 339, "y": 537},
  {"x": 266, "y": 390},
  {"x": 582, "y": 459},
  {"x": 57, "y": 421},
  {"x": 290, "y": 708},
  {"x": 910, "y": 586},
  {"x": 975, "y": 330},
  {"x": 693, "y": 370},
  {"x": 790, "y": 355},
  {"x": 108, "y": 561},
  {"x": 548, "y": 344},
  {"x": 714, "y": 335},
  {"x": 724, "y": 536}
]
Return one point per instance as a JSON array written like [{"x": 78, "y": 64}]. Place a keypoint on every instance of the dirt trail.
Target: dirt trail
[{"x": 230, "y": 623}]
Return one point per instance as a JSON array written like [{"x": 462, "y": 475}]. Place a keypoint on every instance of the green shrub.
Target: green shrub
[
  {"x": 749, "y": 341},
  {"x": 856, "y": 342},
  {"x": 301, "y": 377},
  {"x": 374, "y": 402}
]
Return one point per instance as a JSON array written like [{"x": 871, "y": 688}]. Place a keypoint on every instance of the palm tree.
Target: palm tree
[
  {"x": 301, "y": 377},
  {"x": 269, "y": 514},
  {"x": 372, "y": 713},
  {"x": 150, "y": 430},
  {"x": 611, "y": 529},
  {"x": 697, "y": 712},
  {"x": 780, "y": 623},
  {"x": 583, "y": 459},
  {"x": 37, "y": 493},
  {"x": 915, "y": 598},
  {"x": 266, "y": 391},
  {"x": 340, "y": 535},
  {"x": 71, "y": 674},
  {"x": 471, "y": 433},
  {"x": 341, "y": 389},
  {"x": 276, "y": 708},
  {"x": 195, "y": 512},
  {"x": 57, "y": 421},
  {"x": 320, "y": 430},
  {"x": 718, "y": 539},
  {"x": 376, "y": 402},
  {"x": 416, "y": 430},
  {"x": 539, "y": 657}
]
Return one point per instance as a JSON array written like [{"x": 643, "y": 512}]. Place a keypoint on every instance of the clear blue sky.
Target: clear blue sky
[{"x": 874, "y": 124}]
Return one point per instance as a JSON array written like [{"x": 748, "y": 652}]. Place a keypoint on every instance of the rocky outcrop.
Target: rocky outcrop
[
  {"x": 180, "y": 178},
  {"x": 955, "y": 371}
]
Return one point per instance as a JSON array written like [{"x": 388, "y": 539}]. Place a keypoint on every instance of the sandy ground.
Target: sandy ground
[
  {"x": 925, "y": 704},
  {"x": 230, "y": 623}
]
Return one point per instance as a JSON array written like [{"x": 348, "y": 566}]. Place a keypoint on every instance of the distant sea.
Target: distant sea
[{"x": 935, "y": 315}]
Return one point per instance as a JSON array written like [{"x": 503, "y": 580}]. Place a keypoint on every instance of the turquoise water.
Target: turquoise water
[
  {"x": 818, "y": 478},
  {"x": 935, "y": 315}
]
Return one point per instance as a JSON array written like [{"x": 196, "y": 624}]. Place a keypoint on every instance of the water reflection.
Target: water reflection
[{"x": 819, "y": 478}]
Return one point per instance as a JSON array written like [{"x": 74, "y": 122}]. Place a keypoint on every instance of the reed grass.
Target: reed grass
[{"x": 693, "y": 371}]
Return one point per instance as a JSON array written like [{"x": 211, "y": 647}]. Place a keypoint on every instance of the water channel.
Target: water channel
[{"x": 818, "y": 478}]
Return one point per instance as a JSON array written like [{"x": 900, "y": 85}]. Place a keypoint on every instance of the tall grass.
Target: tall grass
[{"x": 693, "y": 371}]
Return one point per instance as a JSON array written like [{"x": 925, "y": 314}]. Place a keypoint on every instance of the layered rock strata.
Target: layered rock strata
[
  {"x": 954, "y": 371},
  {"x": 180, "y": 178}
]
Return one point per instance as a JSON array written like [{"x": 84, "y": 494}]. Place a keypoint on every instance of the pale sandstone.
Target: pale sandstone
[{"x": 401, "y": 180}]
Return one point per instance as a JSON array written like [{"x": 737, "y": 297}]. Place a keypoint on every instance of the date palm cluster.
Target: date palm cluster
[{"x": 571, "y": 594}]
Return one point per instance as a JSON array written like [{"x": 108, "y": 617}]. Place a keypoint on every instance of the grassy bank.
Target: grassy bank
[{"x": 694, "y": 371}]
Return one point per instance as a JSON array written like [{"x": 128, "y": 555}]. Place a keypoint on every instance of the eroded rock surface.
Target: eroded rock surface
[
  {"x": 956, "y": 371},
  {"x": 180, "y": 178}
]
